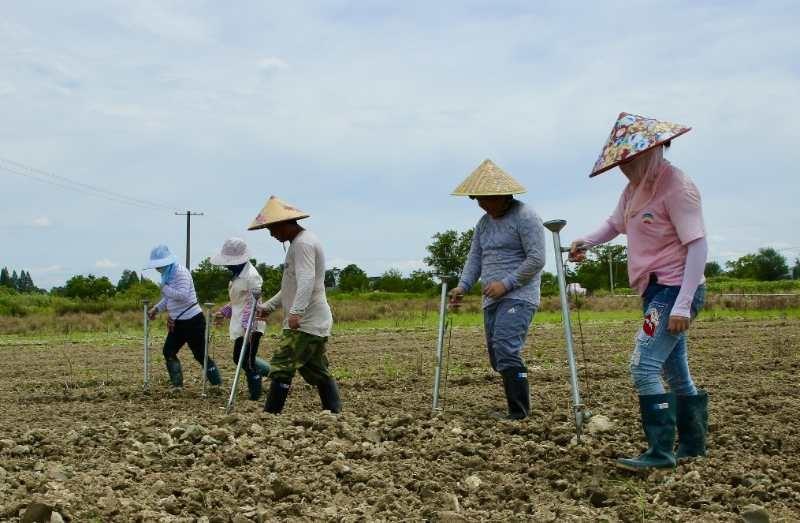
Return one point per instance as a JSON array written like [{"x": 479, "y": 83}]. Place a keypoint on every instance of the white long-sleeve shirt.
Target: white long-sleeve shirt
[
  {"x": 178, "y": 297},
  {"x": 240, "y": 292},
  {"x": 303, "y": 287}
]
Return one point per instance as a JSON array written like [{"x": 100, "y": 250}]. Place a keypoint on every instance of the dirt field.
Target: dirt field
[{"x": 77, "y": 433}]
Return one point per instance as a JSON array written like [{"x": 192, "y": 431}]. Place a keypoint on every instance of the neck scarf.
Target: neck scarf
[
  {"x": 650, "y": 168},
  {"x": 236, "y": 270},
  {"x": 168, "y": 273}
]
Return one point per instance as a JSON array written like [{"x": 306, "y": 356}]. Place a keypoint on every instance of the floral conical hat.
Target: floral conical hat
[
  {"x": 632, "y": 135},
  {"x": 276, "y": 211},
  {"x": 488, "y": 180}
]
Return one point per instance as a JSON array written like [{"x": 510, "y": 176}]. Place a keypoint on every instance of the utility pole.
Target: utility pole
[
  {"x": 188, "y": 215},
  {"x": 611, "y": 272}
]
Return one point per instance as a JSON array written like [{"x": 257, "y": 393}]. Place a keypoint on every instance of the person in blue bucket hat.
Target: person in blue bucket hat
[{"x": 186, "y": 322}]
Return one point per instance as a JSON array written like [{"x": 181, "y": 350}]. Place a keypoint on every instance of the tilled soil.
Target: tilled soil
[{"x": 78, "y": 435}]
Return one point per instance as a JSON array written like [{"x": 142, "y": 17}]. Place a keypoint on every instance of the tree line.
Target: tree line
[
  {"x": 446, "y": 256},
  {"x": 21, "y": 282}
]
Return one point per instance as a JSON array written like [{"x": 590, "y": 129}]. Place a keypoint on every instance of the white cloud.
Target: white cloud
[
  {"x": 105, "y": 263},
  {"x": 384, "y": 130},
  {"x": 41, "y": 221},
  {"x": 272, "y": 63}
]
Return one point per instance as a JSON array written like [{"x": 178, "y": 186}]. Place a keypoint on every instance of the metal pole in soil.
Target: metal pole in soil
[
  {"x": 146, "y": 363},
  {"x": 208, "y": 343},
  {"x": 611, "y": 273},
  {"x": 245, "y": 346},
  {"x": 439, "y": 346},
  {"x": 581, "y": 415}
]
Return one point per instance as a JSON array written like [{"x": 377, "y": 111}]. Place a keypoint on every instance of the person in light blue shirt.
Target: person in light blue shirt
[{"x": 507, "y": 256}]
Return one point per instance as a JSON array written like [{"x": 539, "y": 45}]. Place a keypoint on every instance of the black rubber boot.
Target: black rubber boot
[
  {"x": 212, "y": 373},
  {"x": 329, "y": 396},
  {"x": 175, "y": 372},
  {"x": 518, "y": 393},
  {"x": 254, "y": 385},
  {"x": 276, "y": 397},
  {"x": 692, "y": 421},
  {"x": 658, "y": 421}
]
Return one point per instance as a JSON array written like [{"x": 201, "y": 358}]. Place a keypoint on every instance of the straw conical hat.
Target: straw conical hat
[
  {"x": 488, "y": 180},
  {"x": 276, "y": 211},
  {"x": 632, "y": 135}
]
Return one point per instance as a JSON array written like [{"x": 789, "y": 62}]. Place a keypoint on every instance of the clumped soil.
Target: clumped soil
[{"x": 79, "y": 436}]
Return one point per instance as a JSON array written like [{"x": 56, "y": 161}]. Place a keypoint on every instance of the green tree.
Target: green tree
[
  {"x": 594, "y": 273},
  {"x": 743, "y": 267},
  {"x": 127, "y": 280},
  {"x": 14, "y": 280},
  {"x": 353, "y": 279},
  {"x": 448, "y": 253},
  {"x": 211, "y": 281},
  {"x": 391, "y": 281},
  {"x": 272, "y": 276},
  {"x": 26, "y": 283},
  {"x": 331, "y": 277},
  {"x": 549, "y": 284},
  {"x": 143, "y": 289},
  {"x": 5, "y": 278},
  {"x": 771, "y": 265},
  {"x": 89, "y": 287},
  {"x": 713, "y": 269},
  {"x": 766, "y": 265},
  {"x": 420, "y": 281},
  {"x": 796, "y": 269}
]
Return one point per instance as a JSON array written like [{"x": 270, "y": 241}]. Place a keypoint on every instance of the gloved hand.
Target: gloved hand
[
  {"x": 456, "y": 295},
  {"x": 577, "y": 251}
]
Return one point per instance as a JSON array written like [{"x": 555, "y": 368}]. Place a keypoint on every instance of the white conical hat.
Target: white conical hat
[
  {"x": 631, "y": 135},
  {"x": 489, "y": 180},
  {"x": 276, "y": 211}
]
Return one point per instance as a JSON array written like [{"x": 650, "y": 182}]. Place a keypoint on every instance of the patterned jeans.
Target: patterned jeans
[{"x": 657, "y": 350}]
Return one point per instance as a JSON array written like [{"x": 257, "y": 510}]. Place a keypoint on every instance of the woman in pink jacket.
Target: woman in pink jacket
[{"x": 661, "y": 214}]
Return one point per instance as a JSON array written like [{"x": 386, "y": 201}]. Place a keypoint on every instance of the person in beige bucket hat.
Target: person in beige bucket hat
[
  {"x": 307, "y": 317},
  {"x": 235, "y": 256},
  {"x": 507, "y": 255}
]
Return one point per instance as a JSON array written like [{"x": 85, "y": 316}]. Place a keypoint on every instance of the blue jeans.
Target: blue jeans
[
  {"x": 506, "y": 323},
  {"x": 657, "y": 350}
]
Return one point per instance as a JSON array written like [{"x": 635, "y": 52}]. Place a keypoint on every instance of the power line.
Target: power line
[{"x": 41, "y": 176}]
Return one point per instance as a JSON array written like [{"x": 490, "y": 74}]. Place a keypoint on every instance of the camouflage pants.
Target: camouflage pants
[{"x": 300, "y": 352}]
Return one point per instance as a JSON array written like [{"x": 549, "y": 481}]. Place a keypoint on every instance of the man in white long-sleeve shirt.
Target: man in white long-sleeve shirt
[{"x": 307, "y": 318}]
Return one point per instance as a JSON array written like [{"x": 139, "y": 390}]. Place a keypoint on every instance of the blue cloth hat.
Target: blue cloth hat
[{"x": 160, "y": 256}]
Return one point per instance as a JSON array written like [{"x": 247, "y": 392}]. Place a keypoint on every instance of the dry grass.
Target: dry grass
[{"x": 363, "y": 309}]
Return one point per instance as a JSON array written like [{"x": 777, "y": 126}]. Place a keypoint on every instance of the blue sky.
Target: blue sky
[{"x": 367, "y": 115}]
